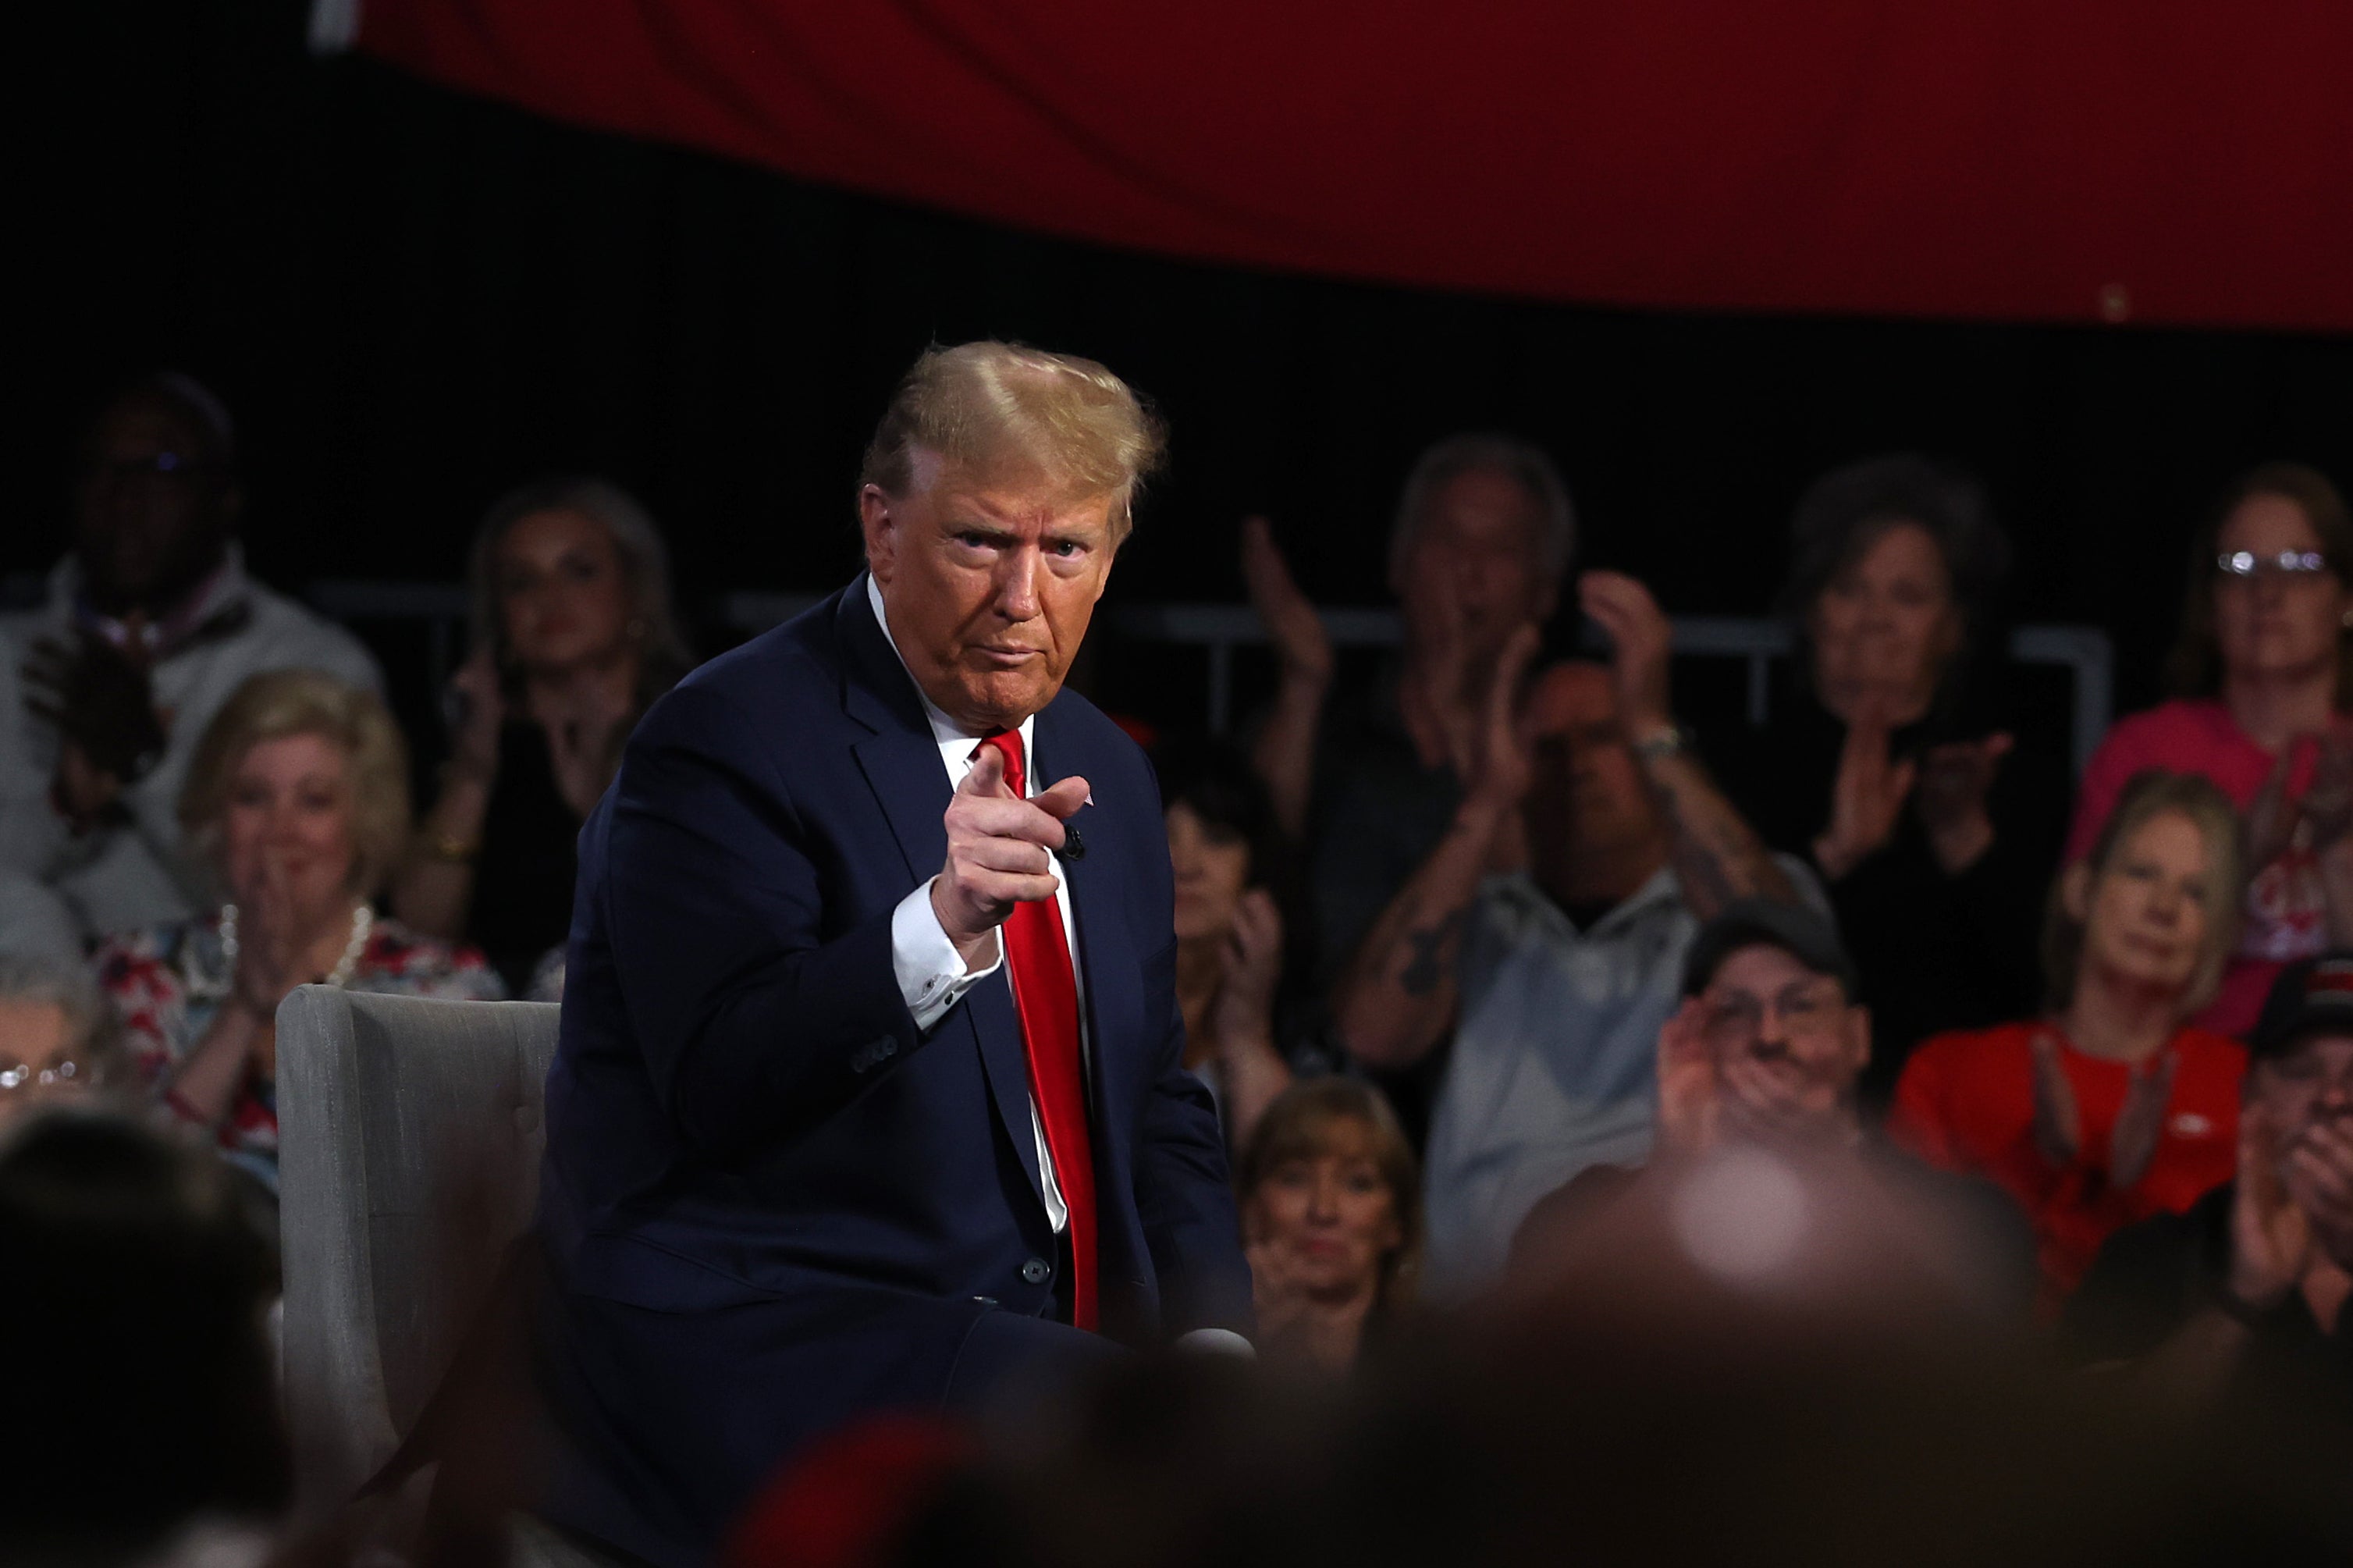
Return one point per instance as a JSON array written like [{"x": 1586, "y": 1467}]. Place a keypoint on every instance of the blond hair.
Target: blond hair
[
  {"x": 999, "y": 409},
  {"x": 277, "y": 705},
  {"x": 2151, "y": 793},
  {"x": 1300, "y": 1124}
]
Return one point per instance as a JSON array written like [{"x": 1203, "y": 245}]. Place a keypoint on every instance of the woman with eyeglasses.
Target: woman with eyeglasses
[
  {"x": 2265, "y": 673},
  {"x": 2113, "y": 1106}
]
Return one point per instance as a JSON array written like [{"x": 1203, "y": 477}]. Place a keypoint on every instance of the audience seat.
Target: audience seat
[{"x": 410, "y": 1135}]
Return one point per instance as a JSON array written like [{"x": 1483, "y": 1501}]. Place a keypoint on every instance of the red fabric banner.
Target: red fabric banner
[{"x": 2151, "y": 160}]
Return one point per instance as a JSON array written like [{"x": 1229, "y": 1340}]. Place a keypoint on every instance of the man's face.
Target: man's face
[
  {"x": 1475, "y": 569},
  {"x": 151, "y": 505},
  {"x": 1588, "y": 796},
  {"x": 2305, "y": 1089},
  {"x": 1788, "y": 1044},
  {"x": 989, "y": 585}
]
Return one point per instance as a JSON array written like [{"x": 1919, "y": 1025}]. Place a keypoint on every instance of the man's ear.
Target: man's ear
[
  {"x": 2075, "y": 892},
  {"x": 881, "y": 532}
]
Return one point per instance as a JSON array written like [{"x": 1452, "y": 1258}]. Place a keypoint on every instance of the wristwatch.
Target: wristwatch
[{"x": 1670, "y": 741}]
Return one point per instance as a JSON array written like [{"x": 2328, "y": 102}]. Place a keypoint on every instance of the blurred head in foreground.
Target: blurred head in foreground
[
  {"x": 1751, "y": 1363},
  {"x": 140, "y": 1390}
]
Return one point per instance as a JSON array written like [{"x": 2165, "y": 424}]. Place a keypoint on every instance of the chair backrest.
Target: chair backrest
[{"x": 409, "y": 1141}]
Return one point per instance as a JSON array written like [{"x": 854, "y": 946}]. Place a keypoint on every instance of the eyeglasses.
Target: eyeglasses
[
  {"x": 68, "y": 1074},
  {"x": 2244, "y": 565},
  {"x": 1736, "y": 1018}
]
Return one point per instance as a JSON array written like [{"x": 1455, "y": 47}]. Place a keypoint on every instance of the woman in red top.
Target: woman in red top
[
  {"x": 2264, "y": 669},
  {"x": 2114, "y": 1107}
]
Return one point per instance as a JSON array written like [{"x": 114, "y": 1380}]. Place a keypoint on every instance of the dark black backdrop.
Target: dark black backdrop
[{"x": 414, "y": 300}]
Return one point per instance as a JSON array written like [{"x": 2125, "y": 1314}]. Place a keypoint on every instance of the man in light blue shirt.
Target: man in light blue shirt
[{"x": 1547, "y": 933}]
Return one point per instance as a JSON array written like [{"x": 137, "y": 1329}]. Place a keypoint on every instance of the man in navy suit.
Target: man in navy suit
[{"x": 870, "y": 1090}]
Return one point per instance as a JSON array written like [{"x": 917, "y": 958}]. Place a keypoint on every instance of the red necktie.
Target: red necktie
[{"x": 1046, "y": 996}]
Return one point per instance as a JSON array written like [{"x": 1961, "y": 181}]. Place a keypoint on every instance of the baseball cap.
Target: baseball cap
[
  {"x": 1804, "y": 935},
  {"x": 2310, "y": 995}
]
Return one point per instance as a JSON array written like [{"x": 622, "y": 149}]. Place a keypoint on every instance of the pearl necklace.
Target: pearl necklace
[{"x": 362, "y": 919}]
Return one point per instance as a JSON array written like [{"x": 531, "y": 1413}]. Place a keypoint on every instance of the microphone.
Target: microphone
[{"x": 1074, "y": 847}]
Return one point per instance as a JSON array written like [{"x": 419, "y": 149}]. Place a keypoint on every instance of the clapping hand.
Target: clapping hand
[
  {"x": 1954, "y": 781},
  {"x": 1689, "y": 1105},
  {"x": 1251, "y": 964},
  {"x": 102, "y": 702},
  {"x": 2271, "y": 1237},
  {"x": 1000, "y": 851},
  {"x": 1641, "y": 642},
  {"x": 1867, "y": 795},
  {"x": 2140, "y": 1121},
  {"x": 1495, "y": 762},
  {"x": 1300, "y": 643}
]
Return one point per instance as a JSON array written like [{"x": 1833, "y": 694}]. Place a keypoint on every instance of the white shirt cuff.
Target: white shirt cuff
[{"x": 929, "y": 971}]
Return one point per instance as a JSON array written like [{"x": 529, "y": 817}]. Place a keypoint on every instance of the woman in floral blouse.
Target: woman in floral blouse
[{"x": 297, "y": 804}]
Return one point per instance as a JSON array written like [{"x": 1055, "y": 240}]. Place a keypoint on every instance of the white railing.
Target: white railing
[{"x": 1219, "y": 628}]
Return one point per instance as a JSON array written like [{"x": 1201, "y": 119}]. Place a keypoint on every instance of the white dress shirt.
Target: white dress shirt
[{"x": 931, "y": 972}]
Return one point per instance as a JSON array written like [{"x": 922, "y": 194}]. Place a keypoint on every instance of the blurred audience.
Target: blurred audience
[
  {"x": 573, "y": 635},
  {"x": 297, "y": 802},
  {"x": 1768, "y": 1048},
  {"x": 1235, "y": 982},
  {"x": 60, "y": 1040},
  {"x": 2242, "y": 1296},
  {"x": 151, "y": 623},
  {"x": 1331, "y": 1207},
  {"x": 140, "y": 1390},
  {"x": 1891, "y": 766},
  {"x": 1482, "y": 541},
  {"x": 2113, "y": 1106},
  {"x": 2263, "y": 671},
  {"x": 34, "y": 922},
  {"x": 1546, "y": 930},
  {"x": 2243, "y": 1293}
]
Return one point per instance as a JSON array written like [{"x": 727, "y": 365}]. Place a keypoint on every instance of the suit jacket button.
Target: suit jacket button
[{"x": 1037, "y": 1271}]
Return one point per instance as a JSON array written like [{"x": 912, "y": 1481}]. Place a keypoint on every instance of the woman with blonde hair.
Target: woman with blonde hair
[
  {"x": 297, "y": 802},
  {"x": 574, "y": 637},
  {"x": 1331, "y": 1207},
  {"x": 2113, "y": 1106}
]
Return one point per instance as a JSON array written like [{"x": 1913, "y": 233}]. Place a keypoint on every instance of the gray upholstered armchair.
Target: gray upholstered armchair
[{"x": 409, "y": 1140}]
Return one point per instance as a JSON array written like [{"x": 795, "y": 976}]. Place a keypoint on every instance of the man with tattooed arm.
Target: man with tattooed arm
[{"x": 1548, "y": 928}]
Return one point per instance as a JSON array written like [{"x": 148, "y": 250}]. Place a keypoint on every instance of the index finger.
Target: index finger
[{"x": 986, "y": 776}]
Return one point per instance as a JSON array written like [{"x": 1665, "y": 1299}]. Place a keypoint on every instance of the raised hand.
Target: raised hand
[
  {"x": 1496, "y": 766},
  {"x": 479, "y": 710},
  {"x": 2058, "y": 1123},
  {"x": 271, "y": 943},
  {"x": 1001, "y": 852},
  {"x": 2140, "y": 1121},
  {"x": 2270, "y": 1238},
  {"x": 1954, "y": 781},
  {"x": 1689, "y": 1103},
  {"x": 102, "y": 705},
  {"x": 1251, "y": 965},
  {"x": 1300, "y": 643},
  {"x": 2318, "y": 1175},
  {"x": 1640, "y": 644},
  {"x": 1867, "y": 797}
]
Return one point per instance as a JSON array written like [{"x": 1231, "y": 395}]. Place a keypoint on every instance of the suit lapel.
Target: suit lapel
[{"x": 901, "y": 765}]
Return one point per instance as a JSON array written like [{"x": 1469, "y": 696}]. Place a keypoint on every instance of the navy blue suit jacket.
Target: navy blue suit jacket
[{"x": 770, "y": 1205}]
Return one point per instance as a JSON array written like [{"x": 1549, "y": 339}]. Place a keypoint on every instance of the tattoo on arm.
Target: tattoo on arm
[{"x": 1425, "y": 969}]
